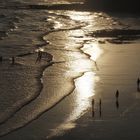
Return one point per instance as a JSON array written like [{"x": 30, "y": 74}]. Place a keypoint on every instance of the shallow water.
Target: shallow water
[{"x": 75, "y": 52}]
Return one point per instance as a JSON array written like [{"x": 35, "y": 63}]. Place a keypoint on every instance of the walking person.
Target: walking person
[
  {"x": 138, "y": 83},
  {"x": 93, "y": 112},
  {"x": 117, "y": 94},
  {"x": 1, "y": 58},
  {"x": 117, "y": 101},
  {"x": 13, "y": 60},
  {"x": 39, "y": 57},
  {"x": 100, "y": 107}
]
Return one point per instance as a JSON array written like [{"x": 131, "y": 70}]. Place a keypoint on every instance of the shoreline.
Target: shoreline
[
  {"x": 117, "y": 69},
  {"x": 43, "y": 69},
  {"x": 114, "y": 120}
]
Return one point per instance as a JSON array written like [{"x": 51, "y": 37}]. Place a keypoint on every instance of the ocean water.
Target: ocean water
[{"x": 71, "y": 40}]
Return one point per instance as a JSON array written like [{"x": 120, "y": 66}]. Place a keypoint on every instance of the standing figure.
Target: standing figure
[
  {"x": 138, "y": 83},
  {"x": 13, "y": 60},
  {"x": 93, "y": 102},
  {"x": 100, "y": 107},
  {"x": 117, "y": 101},
  {"x": 39, "y": 57},
  {"x": 1, "y": 59},
  {"x": 117, "y": 94}
]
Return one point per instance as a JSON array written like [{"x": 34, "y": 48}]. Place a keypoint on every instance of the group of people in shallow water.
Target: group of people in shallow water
[
  {"x": 117, "y": 100},
  {"x": 39, "y": 57},
  {"x": 41, "y": 54}
]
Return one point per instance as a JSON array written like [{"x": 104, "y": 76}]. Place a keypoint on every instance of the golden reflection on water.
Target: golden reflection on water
[
  {"x": 80, "y": 16},
  {"x": 57, "y": 25},
  {"x": 86, "y": 84},
  {"x": 85, "y": 90},
  {"x": 93, "y": 50}
]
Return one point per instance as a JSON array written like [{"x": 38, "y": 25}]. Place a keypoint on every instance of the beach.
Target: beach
[
  {"x": 116, "y": 122},
  {"x": 113, "y": 121},
  {"x": 63, "y": 61}
]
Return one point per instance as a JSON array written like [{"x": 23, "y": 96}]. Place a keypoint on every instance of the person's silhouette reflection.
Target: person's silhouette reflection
[{"x": 117, "y": 104}]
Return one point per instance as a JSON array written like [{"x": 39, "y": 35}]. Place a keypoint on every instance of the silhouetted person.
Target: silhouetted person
[
  {"x": 39, "y": 57},
  {"x": 117, "y": 101},
  {"x": 1, "y": 58},
  {"x": 13, "y": 60},
  {"x": 100, "y": 107},
  {"x": 117, "y": 94},
  {"x": 93, "y": 112},
  {"x": 138, "y": 83}
]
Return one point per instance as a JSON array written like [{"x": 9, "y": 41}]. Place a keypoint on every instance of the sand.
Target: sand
[
  {"x": 118, "y": 69},
  {"x": 83, "y": 67}
]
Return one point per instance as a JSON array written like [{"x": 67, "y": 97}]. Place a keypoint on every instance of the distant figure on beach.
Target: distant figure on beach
[
  {"x": 13, "y": 60},
  {"x": 117, "y": 101},
  {"x": 138, "y": 83},
  {"x": 1, "y": 58},
  {"x": 93, "y": 102},
  {"x": 42, "y": 54},
  {"x": 39, "y": 57},
  {"x": 117, "y": 94},
  {"x": 100, "y": 107}
]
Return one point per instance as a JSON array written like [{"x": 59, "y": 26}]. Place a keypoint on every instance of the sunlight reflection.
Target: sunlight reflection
[
  {"x": 93, "y": 50},
  {"x": 80, "y": 60},
  {"x": 77, "y": 33},
  {"x": 85, "y": 85},
  {"x": 85, "y": 90},
  {"x": 79, "y": 16},
  {"x": 58, "y": 25},
  {"x": 80, "y": 65}
]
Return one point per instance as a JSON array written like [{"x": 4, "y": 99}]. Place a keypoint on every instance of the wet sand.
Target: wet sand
[
  {"x": 85, "y": 66},
  {"x": 118, "y": 69}
]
